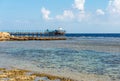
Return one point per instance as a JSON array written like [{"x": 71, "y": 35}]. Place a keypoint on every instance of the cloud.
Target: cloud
[
  {"x": 114, "y": 7},
  {"x": 79, "y": 4},
  {"x": 78, "y": 15},
  {"x": 67, "y": 14},
  {"x": 82, "y": 16},
  {"x": 45, "y": 13},
  {"x": 100, "y": 12}
]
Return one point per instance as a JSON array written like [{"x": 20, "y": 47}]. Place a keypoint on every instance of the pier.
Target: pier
[
  {"x": 24, "y": 36},
  {"x": 34, "y": 34},
  {"x": 58, "y": 34}
]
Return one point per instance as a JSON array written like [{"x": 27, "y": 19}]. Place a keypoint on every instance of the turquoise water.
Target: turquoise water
[{"x": 99, "y": 56}]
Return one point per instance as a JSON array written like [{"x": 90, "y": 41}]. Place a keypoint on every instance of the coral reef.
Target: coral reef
[{"x": 26, "y": 75}]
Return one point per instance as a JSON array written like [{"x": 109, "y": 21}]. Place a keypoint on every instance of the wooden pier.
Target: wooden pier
[
  {"x": 24, "y": 36},
  {"x": 35, "y": 34}
]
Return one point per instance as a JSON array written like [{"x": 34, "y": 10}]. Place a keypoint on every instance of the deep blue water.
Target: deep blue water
[{"x": 93, "y": 35}]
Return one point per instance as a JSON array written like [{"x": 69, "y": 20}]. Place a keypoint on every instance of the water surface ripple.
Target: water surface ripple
[{"x": 93, "y": 56}]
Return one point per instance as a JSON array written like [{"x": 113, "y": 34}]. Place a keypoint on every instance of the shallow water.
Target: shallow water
[{"x": 99, "y": 56}]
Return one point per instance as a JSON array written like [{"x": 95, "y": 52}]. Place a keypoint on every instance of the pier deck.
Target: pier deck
[{"x": 22, "y": 36}]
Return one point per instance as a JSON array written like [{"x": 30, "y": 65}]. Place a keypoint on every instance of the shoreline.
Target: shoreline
[
  {"x": 15, "y": 74},
  {"x": 23, "y": 75}
]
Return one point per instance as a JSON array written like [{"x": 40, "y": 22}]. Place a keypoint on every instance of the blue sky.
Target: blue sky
[{"x": 75, "y": 16}]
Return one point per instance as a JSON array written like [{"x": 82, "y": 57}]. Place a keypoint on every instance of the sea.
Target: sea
[{"x": 97, "y": 54}]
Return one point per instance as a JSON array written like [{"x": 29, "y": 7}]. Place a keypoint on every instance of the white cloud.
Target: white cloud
[
  {"x": 45, "y": 13},
  {"x": 78, "y": 15},
  {"x": 100, "y": 12},
  {"x": 114, "y": 7},
  {"x": 79, "y": 4},
  {"x": 82, "y": 16},
  {"x": 67, "y": 14}
]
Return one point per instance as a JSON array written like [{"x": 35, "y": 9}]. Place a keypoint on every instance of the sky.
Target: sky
[{"x": 75, "y": 16}]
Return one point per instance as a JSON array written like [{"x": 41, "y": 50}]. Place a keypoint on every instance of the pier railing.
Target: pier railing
[{"x": 34, "y": 34}]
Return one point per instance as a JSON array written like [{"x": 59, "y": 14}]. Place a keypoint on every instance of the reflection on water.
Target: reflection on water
[{"x": 97, "y": 56}]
